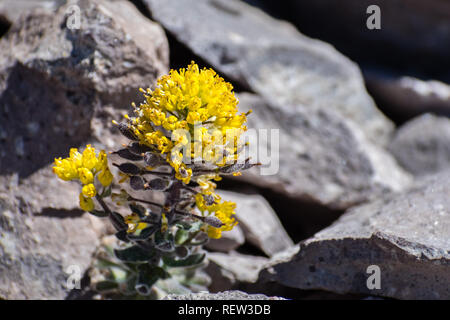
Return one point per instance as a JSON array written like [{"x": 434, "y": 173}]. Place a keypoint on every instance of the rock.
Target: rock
[
  {"x": 59, "y": 87},
  {"x": 229, "y": 241},
  {"x": 227, "y": 271},
  {"x": 271, "y": 58},
  {"x": 406, "y": 235},
  {"x": 11, "y": 10},
  {"x": 409, "y": 32},
  {"x": 422, "y": 145},
  {"x": 226, "y": 295},
  {"x": 42, "y": 235},
  {"x": 320, "y": 157},
  {"x": 403, "y": 98},
  {"x": 260, "y": 223}
]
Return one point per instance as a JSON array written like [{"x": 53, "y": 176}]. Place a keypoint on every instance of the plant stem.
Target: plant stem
[
  {"x": 190, "y": 189},
  {"x": 183, "y": 213},
  {"x": 130, "y": 198},
  {"x": 156, "y": 173},
  {"x": 103, "y": 204}
]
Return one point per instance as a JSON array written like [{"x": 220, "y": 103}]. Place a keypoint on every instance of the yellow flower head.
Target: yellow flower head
[
  {"x": 84, "y": 167},
  {"x": 197, "y": 102},
  {"x": 105, "y": 177},
  {"x": 86, "y": 176},
  {"x": 86, "y": 203},
  {"x": 65, "y": 169},
  {"x": 89, "y": 190},
  {"x": 223, "y": 211}
]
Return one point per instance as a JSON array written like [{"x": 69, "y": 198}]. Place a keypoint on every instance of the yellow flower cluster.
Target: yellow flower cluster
[
  {"x": 194, "y": 111},
  {"x": 224, "y": 211},
  {"x": 84, "y": 167}
]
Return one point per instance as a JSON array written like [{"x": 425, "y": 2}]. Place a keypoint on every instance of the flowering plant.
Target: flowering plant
[{"x": 183, "y": 137}]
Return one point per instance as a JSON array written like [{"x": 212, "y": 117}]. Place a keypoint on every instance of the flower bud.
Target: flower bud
[
  {"x": 151, "y": 159},
  {"x": 158, "y": 184},
  {"x": 126, "y": 131},
  {"x": 138, "y": 148},
  {"x": 128, "y": 168},
  {"x": 136, "y": 183},
  {"x": 209, "y": 199},
  {"x": 127, "y": 154},
  {"x": 213, "y": 221}
]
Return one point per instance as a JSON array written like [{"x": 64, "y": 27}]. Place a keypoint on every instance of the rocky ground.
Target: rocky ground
[{"x": 363, "y": 178}]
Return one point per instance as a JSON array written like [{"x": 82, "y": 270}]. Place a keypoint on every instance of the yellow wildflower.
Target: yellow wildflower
[
  {"x": 223, "y": 211},
  {"x": 86, "y": 176},
  {"x": 85, "y": 167},
  {"x": 86, "y": 203},
  {"x": 90, "y": 159},
  {"x": 105, "y": 177},
  {"x": 76, "y": 158},
  {"x": 89, "y": 190},
  {"x": 214, "y": 233},
  {"x": 65, "y": 169},
  {"x": 197, "y": 101}
]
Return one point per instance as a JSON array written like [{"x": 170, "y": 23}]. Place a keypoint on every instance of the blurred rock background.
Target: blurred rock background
[{"x": 364, "y": 137}]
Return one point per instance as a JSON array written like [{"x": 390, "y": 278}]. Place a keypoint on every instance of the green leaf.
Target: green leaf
[
  {"x": 134, "y": 254},
  {"x": 106, "y": 285},
  {"x": 195, "y": 226},
  {"x": 105, "y": 264},
  {"x": 106, "y": 191},
  {"x": 147, "y": 277},
  {"x": 198, "y": 242},
  {"x": 152, "y": 218},
  {"x": 122, "y": 235},
  {"x": 143, "y": 234},
  {"x": 137, "y": 208},
  {"x": 187, "y": 262},
  {"x": 118, "y": 221},
  {"x": 189, "y": 226},
  {"x": 99, "y": 213},
  {"x": 164, "y": 241},
  {"x": 181, "y": 236}
]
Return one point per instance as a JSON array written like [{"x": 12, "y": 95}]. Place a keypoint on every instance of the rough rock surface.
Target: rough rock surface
[
  {"x": 260, "y": 223},
  {"x": 422, "y": 145},
  {"x": 229, "y": 241},
  {"x": 406, "y": 97},
  {"x": 58, "y": 85},
  {"x": 226, "y": 295},
  {"x": 42, "y": 233},
  {"x": 11, "y": 10},
  {"x": 322, "y": 157},
  {"x": 406, "y": 235},
  {"x": 411, "y": 31},
  {"x": 229, "y": 270},
  {"x": 271, "y": 58}
]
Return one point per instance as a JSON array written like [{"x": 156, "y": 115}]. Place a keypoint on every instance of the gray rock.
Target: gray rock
[
  {"x": 229, "y": 241},
  {"x": 322, "y": 157},
  {"x": 415, "y": 27},
  {"x": 42, "y": 234},
  {"x": 422, "y": 145},
  {"x": 59, "y": 86},
  {"x": 260, "y": 223},
  {"x": 11, "y": 10},
  {"x": 407, "y": 97},
  {"x": 226, "y": 295},
  {"x": 227, "y": 271},
  {"x": 271, "y": 58},
  {"x": 406, "y": 235}
]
